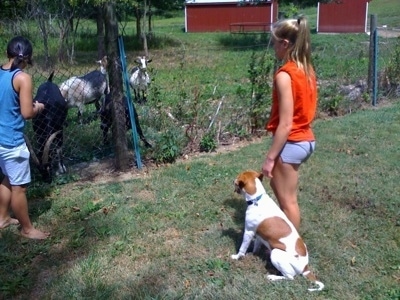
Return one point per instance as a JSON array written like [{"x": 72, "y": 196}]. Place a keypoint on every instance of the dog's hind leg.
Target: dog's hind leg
[
  {"x": 310, "y": 276},
  {"x": 283, "y": 262},
  {"x": 257, "y": 245}
]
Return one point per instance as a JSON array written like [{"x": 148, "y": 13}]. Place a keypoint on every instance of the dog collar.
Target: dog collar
[{"x": 254, "y": 201}]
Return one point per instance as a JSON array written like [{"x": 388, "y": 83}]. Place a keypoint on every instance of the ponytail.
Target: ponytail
[
  {"x": 297, "y": 32},
  {"x": 20, "y": 49}
]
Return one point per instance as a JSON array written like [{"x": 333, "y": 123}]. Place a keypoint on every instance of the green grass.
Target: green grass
[
  {"x": 387, "y": 12},
  {"x": 170, "y": 232},
  {"x": 205, "y": 67}
]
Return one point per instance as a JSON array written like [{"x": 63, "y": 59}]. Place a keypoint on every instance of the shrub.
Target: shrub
[
  {"x": 208, "y": 142},
  {"x": 260, "y": 69},
  {"x": 168, "y": 147},
  {"x": 393, "y": 69}
]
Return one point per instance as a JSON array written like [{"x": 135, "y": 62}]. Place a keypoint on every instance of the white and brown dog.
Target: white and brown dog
[{"x": 269, "y": 225}]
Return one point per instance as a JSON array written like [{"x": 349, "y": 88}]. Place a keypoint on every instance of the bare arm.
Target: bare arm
[
  {"x": 285, "y": 96},
  {"x": 23, "y": 85}
]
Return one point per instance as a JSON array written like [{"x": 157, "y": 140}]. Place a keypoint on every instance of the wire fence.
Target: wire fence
[{"x": 197, "y": 97}]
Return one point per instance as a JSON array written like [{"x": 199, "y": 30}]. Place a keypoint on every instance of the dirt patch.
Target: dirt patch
[
  {"x": 388, "y": 33},
  {"x": 104, "y": 171}
]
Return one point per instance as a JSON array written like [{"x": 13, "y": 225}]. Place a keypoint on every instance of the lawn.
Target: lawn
[{"x": 167, "y": 231}]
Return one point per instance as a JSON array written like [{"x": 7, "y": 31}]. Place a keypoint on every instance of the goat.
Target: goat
[
  {"x": 140, "y": 79},
  {"x": 86, "y": 89},
  {"x": 106, "y": 119},
  {"x": 48, "y": 128}
]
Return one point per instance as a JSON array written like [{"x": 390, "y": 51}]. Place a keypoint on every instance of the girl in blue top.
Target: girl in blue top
[{"x": 16, "y": 106}]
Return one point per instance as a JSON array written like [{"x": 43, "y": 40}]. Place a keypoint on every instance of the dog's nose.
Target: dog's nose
[{"x": 237, "y": 189}]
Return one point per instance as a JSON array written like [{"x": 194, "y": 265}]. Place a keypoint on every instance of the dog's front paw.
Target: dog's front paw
[
  {"x": 277, "y": 277},
  {"x": 236, "y": 256}
]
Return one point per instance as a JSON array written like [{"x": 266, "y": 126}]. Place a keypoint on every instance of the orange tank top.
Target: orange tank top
[{"x": 304, "y": 101}]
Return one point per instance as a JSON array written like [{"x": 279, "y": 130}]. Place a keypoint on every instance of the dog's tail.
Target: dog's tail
[{"x": 310, "y": 276}]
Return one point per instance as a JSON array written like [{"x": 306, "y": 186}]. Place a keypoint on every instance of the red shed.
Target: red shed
[
  {"x": 343, "y": 16},
  {"x": 229, "y": 15}
]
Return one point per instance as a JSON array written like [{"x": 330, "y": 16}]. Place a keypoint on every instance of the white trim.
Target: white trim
[
  {"x": 366, "y": 17},
  {"x": 318, "y": 17},
  {"x": 272, "y": 14},
  {"x": 186, "y": 23},
  {"x": 217, "y": 1}
]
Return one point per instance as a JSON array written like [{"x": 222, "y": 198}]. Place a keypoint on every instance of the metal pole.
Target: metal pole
[
  {"x": 371, "y": 52},
  {"x": 130, "y": 103},
  {"x": 375, "y": 82}
]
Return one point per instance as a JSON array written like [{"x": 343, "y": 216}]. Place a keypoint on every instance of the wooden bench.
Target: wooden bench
[{"x": 250, "y": 27}]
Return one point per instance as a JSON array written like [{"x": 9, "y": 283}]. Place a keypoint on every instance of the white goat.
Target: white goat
[
  {"x": 89, "y": 88},
  {"x": 140, "y": 79}
]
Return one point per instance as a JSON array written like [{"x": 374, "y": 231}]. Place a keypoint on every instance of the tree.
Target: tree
[{"x": 115, "y": 76}]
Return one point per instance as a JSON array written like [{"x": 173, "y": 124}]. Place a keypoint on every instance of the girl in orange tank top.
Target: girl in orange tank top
[{"x": 294, "y": 103}]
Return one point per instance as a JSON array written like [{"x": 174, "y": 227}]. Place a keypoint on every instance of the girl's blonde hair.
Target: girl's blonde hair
[{"x": 297, "y": 32}]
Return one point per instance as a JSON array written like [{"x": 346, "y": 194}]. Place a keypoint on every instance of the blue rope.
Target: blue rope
[{"x": 130, "y": 103}]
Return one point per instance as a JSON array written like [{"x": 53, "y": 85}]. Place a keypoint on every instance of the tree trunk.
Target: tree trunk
[
  {"x": 144, "y": 33},
  {"x": 42, "y": 22},
  {"x": 101, "y": 51},
  {"x": 138, "y": 27},
  {"x": 114, "y": 70},
  {"x": 150, "y": 15}
]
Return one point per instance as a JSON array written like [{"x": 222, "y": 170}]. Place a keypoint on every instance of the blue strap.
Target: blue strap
[
  {"x": 254, "y": 201},
  {"x": 130, "y": 103}
]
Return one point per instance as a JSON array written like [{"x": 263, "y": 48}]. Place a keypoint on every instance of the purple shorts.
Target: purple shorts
[
  {"x": 297, "y": 152},
  {"x": 14, "y": 163}
]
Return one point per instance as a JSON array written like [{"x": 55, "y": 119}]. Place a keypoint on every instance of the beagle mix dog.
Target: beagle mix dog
[{"x": 269, "y": 225}]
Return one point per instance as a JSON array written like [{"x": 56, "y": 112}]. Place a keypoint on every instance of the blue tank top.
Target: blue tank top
[{"x": 12, "y": 123}]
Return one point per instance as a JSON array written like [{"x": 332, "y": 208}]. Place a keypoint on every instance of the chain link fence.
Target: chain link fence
[{"x": 198, "y": 98}]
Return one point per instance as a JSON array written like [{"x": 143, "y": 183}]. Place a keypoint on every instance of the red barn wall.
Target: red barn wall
[
  {"x": 211, "y": 17},
  {"x": 345, "y": 16}
]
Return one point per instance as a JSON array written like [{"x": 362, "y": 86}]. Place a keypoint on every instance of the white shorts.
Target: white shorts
[
  {"x": 14, "y": 163},
  {"x": 297, "y": 152}
]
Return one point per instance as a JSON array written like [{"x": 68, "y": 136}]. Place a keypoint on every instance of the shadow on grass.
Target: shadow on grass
[
  {"x": 28, "y": 264},
  {"x": 239, "y": 218}
]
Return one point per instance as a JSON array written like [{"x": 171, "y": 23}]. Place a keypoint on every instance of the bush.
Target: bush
[
  {"x": 208, "y": 142},
  {"x": 168, "y": 148},
  {"x": 393, "y": 69}
]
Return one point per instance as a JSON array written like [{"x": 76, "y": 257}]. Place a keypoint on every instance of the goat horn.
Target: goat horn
[
  {"x": 50, "y": 79},
  {"x": 30, "y": 148},
  {"x": 46, "y": 150}
]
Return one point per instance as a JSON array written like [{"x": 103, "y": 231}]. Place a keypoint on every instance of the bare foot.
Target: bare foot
[
  {"x": 35, "y": 234},
  {"x": 9, "y": 221}
]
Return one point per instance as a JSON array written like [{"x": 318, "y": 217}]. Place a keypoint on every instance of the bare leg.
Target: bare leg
[
  {"x": 19, "y": 206},
  {"x": 5, "y": 199},
  {"x": 284, "y": 185}
]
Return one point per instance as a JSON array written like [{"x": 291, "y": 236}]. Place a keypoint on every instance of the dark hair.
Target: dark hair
[{"x": 21, "y": 50}]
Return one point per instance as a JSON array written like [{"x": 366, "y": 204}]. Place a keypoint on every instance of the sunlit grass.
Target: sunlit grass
[{"x": 170, "y": 233}]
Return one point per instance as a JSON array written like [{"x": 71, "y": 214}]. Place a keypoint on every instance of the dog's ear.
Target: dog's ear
[
  {"x": 240, "y": 183},
  {"x": 260, "y": 176}
]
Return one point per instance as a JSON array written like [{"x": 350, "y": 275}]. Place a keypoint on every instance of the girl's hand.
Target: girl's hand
[
  {"x": 268, "y": 167},
  {"x": 38, "y": 107}
]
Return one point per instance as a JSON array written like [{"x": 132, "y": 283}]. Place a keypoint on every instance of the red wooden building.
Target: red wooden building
[
  {"x": 229, "y": 15},
  {"x": 343, "y": 16}
]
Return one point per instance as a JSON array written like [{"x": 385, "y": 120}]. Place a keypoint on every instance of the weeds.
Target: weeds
[
  {"x": 168, "y": 148},
  {"x": 393, "y": 70},
  {"x": 260, "y": 73},
  {"x": 208, "y": 142}
]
